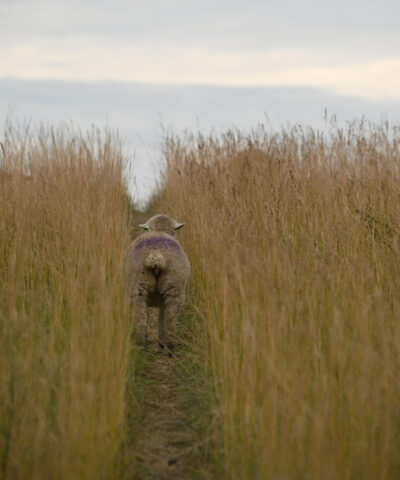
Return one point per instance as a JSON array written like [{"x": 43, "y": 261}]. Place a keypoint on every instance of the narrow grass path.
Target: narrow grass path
[
  {"x": 165, "y": 438},
  {"x": 171, "y": 421}
]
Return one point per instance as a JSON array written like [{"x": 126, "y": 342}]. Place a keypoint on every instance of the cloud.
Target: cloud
[
  {"x": 356, "y": 29},
  {"x": 344, "y": 47},
  {"x": 195, "y": 65}
]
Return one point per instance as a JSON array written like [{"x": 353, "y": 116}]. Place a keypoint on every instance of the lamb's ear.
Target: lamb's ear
[
  {"x": 145, "y": 226},
  {"x": 178, "y": 226}
]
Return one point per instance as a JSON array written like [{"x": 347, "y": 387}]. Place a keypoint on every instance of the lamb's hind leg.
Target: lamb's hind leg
[
  {"x": 161, "y": 338},
  {"x": 169, "y": 313},
  {"x": 141, "y": 320}
]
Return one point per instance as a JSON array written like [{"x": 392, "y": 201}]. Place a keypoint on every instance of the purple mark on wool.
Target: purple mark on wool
[{"x": 157, "y": 242}]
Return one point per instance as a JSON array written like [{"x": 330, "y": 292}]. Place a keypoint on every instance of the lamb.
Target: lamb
[{"x": 158, "y": 271}]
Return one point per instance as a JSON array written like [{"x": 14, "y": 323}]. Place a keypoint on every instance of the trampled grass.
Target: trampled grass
[
  {"x": 64, "y": 324},
  {"x": 294, "y": 242}
]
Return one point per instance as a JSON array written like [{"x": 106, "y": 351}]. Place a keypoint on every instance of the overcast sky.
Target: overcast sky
[
  {"x": 347, "y": 46},
  {"x": 336, "y": 49}
]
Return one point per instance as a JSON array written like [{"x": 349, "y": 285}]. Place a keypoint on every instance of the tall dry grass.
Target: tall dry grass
[
  {"x": 64, "y": 329},
  {"x": 294, "y": 242}
]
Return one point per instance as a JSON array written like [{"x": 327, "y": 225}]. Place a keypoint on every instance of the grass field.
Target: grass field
[
  {"x": 294, "y": 240},
  {"x": 289, "y": 355},
  {"x": 64, "y": 329}
]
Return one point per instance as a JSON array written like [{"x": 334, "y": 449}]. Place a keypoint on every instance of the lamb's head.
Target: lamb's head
[{"x": 162, "y": 223}]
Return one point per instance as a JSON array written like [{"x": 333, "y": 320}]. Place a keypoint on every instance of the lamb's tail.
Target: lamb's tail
[{"x": 155, "y": 260}]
